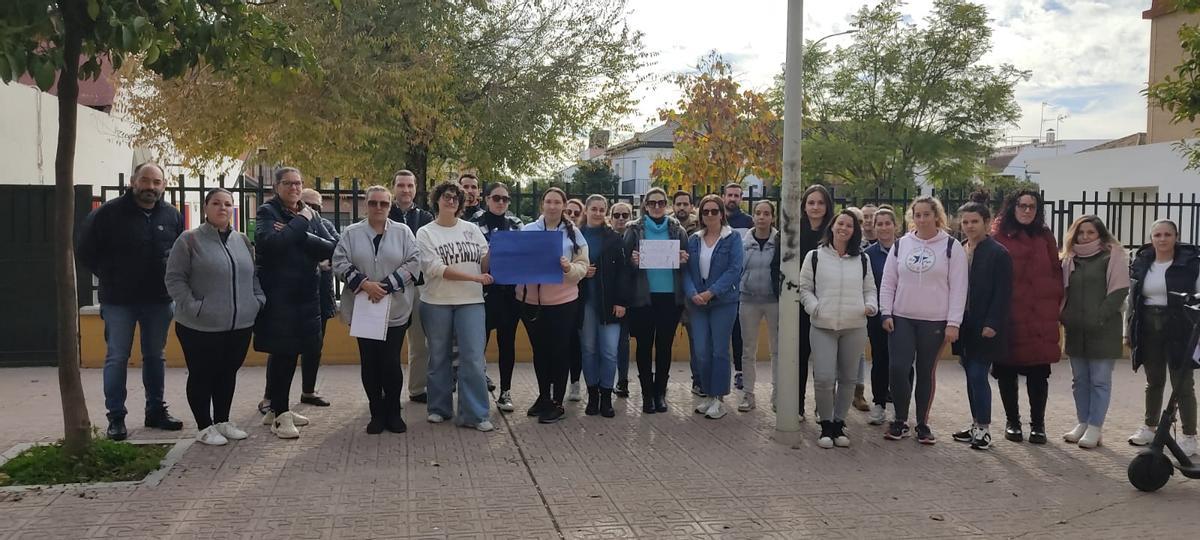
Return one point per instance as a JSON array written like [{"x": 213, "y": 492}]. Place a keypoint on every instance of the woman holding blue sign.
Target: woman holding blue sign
[
  {"x": 499, "y": 302},
  {"x": 604, "y": 296},
  {"x": 550, "y": 310},
  {"x": 712, "y": 287}
]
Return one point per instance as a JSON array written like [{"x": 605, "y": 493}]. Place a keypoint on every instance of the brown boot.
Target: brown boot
[{"x": 860, "y": 402}]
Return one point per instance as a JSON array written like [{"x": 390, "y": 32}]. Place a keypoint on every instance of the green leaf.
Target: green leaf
[
  {"x": 152, "y": 54},
  {"x": 44, "y": 75},
  {"x": 128, "y": 39},
  {"x": 139, "y": 23},
  {"x": 93, "y": 9},
  {"x": 5, "y": 74},
  {"x": 337, "y": 4}
]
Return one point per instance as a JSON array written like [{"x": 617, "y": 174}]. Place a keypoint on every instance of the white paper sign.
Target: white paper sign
[
  {"x": 370, "y": 319},
  {"x": 658, "y": 254}
]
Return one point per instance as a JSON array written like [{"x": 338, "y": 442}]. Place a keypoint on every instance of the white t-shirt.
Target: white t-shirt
[
  {"x": 461, "y": 247},
  {"x": 706, "y": 253},
  {"x": 1154, "y": 289}
]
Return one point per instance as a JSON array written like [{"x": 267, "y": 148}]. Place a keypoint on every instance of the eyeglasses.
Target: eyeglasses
[
  {"x": 291, "y": 183},
  {"x": 657, "y": 203},
  {"x": 449, "y": 197},
  {"x": 1027, "y": 207},
  {"x": 711, "y": 211},
  {"x": 500, "y": 199},
  {"x": 620, "y": 215},
  {"x": 315, "y": 206},
  {"x": 572, "y": 213},
  {"x": 379, "y": 204}
]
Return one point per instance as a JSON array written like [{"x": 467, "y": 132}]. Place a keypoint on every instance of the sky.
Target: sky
[{"x": 1089, "y": 58}]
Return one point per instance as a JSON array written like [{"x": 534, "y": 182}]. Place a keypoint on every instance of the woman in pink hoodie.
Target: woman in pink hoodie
[{"x": 922, "y": 298}]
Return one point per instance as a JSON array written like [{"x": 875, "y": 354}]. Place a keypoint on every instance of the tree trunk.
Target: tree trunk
[
  {"x": 77, "y": 434},
  {"x": 417, "y": 160}
]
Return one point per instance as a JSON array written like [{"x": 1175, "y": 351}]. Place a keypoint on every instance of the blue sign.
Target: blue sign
[{"x": 526, "y": 257}]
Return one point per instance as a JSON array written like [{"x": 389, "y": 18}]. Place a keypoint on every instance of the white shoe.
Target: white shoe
[
  {"x": 716, "y": 410},
  {"x": 802, "y": 417},
  {"x": 841, "y": 441},
  {"x": 485, "y": 426},
  {"x": 573, "y": 392},
  {"x": 211, "y": 437},
  {"x": 825, "y": 442},
  {"x": 284, "y": 426},
  {"x": 747, "y": 404},
  {"x": 435, "y": 418},
  {"x": 1188, "y": 445},
  {"x": 505, "y": 402},
  {"x": 297, "y": 420},
  {"x": 1091, "y": 437},
  {"x": 1142, "y": 437},
  {"x": 231, "y": 431},
  {"x": 1074, "y": 435},
  {"x": 705, "y": 403},
  {"x": 877, "y": 415}
]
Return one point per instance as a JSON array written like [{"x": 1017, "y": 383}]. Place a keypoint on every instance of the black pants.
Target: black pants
[
  {"x": 502, "y": 316},
  {"x": 805, "y": 352},
  {"x": 653, "y": 327},
  {"x": 213, "y": 360},
  {"x": 737, "y": 343},
  {"x": 880, "y": 361},
  {"x": 576, "y": 345},
  {"x": 550, "y": 329},
  {"x": 1037, "y": 384},
  {"x": 382, "y": 375},
  {"x": 309, "y": 364}
]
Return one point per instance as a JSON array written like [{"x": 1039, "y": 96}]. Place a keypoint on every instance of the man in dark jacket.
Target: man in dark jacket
[
  {"x": 125, "y": 243},
  {"x": 472, "y": 209},
  {"x": 405, "y": 210},
  {"x": 740, "y": 222}
]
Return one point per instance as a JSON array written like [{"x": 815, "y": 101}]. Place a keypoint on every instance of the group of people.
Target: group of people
[{"x": 999, "y": 296}]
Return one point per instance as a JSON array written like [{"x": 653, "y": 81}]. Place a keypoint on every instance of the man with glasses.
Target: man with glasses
[
  {"x": 405, "y": 210},
  {"x": 125, "y": 243},
  {"x": 740, "y": 222}
]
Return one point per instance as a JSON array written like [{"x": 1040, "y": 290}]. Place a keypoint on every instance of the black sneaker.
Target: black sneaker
[
  {"x": 419, "y": 398},
  {"x": 396, "y": 424},
  {"x": 161, "y": 419},
  {"x": 553, "y": 413},
  {"x": 491, "y": 385},
  {"x": 925, "y": 435},
  {"x": 1013, "y": 432},
  {"x": 1037, "y": 434},
  {"x": 538, "y": 407},
  {"x": 314, "y": 400},
  {"x": 622, "y": 389},
  {"x": 116, "y": 429},
  {"x": 896, "y": 430},
  {"x": 964, "y": 436},
  {"x": 375, "y": 426},
  {"x": 696, "y": 390},
  {"x": 982, "y": 440}
]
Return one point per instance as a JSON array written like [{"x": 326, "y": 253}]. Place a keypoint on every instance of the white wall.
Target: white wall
[
  {"x": 635, "y": 165},
  {"x": 1149, "y": 166}
]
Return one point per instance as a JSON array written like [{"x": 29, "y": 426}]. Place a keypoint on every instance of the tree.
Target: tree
[
  {"x": 725, "y": 133},
  {"x": 68, "y": 39},
  {"x": 1180, "y": 95},
  {"x": 502, "y": 87},
  {"x": 903, "y": 100},
  {"x": 593, "y": 176}
]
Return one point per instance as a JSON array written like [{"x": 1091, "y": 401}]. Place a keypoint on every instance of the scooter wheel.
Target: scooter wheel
[{"x": 1150, "y": 471}]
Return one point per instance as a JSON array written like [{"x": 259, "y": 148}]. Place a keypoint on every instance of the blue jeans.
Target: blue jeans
[
  {"x": 979, "y": 390},
  {"x": 693, "y": 361},
  {"x": 598, "y": 343},
  {"x": 623, "y": 350},
  {"x": 465, "y": 324},
  {"x": 712, "y": 330},
  {"x": 1092, "y": 386},
  {"x": 153, "y": 321}
]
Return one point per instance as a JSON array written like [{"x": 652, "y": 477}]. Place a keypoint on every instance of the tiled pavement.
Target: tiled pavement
[{"x": 673, "y": 475}]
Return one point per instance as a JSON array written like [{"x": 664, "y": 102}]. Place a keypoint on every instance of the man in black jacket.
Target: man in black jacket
[
  {"x": 125, "y": 243},
  {"x": 405, "y": 210}
]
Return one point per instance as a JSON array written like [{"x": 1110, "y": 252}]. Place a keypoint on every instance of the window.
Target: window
[{"x": 635, "y": 171}]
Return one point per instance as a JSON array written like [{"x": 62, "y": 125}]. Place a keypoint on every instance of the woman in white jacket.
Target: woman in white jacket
[{"x": 837, "y": 289}]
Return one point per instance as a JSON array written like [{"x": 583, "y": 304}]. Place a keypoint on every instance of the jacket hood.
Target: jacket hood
[
  {"x": 1182, "y": 251},
  {"x": 726, "y": 230}
]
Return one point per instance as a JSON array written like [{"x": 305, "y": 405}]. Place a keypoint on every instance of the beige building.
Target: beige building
[{"x": 1165, "y": 53}]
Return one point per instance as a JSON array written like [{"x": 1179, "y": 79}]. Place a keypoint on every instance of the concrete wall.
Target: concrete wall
[{"x": 1165, "y": 54}]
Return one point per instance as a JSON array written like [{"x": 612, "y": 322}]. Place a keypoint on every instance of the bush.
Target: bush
[{"x": 105, "y": 461}]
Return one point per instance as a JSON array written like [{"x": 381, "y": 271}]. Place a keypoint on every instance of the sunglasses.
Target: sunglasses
[
  {"x": 657, "y": 203},
  {"x": 711, "y": 212},
  {"x": 316, "y": 207},
  {"x": 572, "y": 213},
  {"x": 378, "y": 204},
  {"x": 620, "y": 215},
  {"x": 500, "y": 199}
]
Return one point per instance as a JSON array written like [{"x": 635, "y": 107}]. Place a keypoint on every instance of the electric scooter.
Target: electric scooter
[{"x": 1151, "y": 468}]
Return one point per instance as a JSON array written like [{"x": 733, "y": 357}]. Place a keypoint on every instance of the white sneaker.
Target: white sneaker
[
  {"x": 211, "y": 437},
  {"x": 297, "y": 420},
  {"x": 877, "y": 415},
  {"x": 825, "y": 441},
  {"x": 1074, "y": 435},
  {"x": 435, "y": 418},
  {"x": 1188, "y": 445},
  {"x": 841, "y": 441},
  {"x": 284, "y": 426},
  {"x": 716, "y": 410},
  {"x": 705, "y": 403},
  {"x": 485, "y": 426},
  {"x": 231, "y": 431},
  {"x": 573, "y": 392},
  {"x": 747, "y": 404},
  {"x": 505, "y": 402},
  {"x": 1142, "y": 437},
  {"x": 1091, "y": 437},
  {"x": 802, "y": 417}
]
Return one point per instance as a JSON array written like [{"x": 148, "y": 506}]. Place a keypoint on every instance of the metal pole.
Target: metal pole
[{"x": 787, "y": 417}]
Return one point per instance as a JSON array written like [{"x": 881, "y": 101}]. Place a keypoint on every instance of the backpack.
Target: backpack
[{"x": 862, "y": 258}]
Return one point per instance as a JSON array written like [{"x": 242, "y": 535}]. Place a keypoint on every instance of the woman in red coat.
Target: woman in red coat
[{"x": 1037, "y": 291}]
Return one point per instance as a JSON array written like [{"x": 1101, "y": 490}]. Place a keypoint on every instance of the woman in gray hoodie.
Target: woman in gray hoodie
[
  {"x": 212, "y": 280},
  {"x": 761, "y": 280}
]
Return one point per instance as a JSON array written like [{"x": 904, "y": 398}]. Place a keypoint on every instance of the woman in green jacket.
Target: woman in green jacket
[{"x": 1096, "y": 276}]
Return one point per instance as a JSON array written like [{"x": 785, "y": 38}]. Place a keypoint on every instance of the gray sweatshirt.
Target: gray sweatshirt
[
  {"x": 757, "y": 286},
  {"x": 213, "y": 282},
  {"x": 395, "y": 266}
]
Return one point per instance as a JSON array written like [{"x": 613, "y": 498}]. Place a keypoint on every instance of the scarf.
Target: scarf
[
  {"x": 1118, "y": 263},
  {"x": 656, "y": 225}
]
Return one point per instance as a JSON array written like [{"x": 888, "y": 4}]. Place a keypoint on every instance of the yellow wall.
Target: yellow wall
[
  {"x": 340, "y": 348},
  {"x": 1165, "y": 54}
]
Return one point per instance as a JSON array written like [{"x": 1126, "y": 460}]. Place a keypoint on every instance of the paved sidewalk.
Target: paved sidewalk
[{"x": 675, "y": 475}]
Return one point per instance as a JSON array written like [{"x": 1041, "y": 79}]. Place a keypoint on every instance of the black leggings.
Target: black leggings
[
  {"x": 805, "y": 352},
  {"x": 213, "y": 360},
  {"x": 577, "y": 345},
  {"x": 502, "y": 316},
  {"x": 880, "y": 361},
  {"x": 309, "y": 364},
  {"x": 550, "y": 329},
  {"x": 1037, "y": 384},
  {"x": 737, "y": 343},
  {"x": 382, "y": 375},
  {"x": 655, "y": 325}
]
